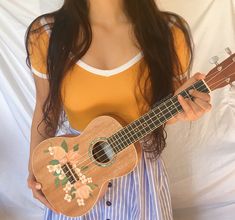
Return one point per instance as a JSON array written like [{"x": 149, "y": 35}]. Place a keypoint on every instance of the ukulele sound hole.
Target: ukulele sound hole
[{"x": 102, "y": 152}]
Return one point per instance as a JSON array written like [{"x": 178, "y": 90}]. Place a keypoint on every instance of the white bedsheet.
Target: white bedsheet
[{"x": 200, "y": 156}]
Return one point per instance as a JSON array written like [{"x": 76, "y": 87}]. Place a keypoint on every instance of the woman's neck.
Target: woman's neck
[{"x": 107, "y": 12}]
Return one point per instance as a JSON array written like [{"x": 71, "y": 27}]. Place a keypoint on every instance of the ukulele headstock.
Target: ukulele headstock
[{"x": 223, "y": 74}]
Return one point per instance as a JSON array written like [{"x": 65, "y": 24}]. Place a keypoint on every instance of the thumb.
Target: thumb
[{"x": 38, "y": 186}]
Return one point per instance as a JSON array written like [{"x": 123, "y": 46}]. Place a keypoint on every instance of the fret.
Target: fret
[
  {"x": 156, "y": 119},
  {"x": 175, "y": 107},
  {"x": 195, "y": 87},
  {"x": 185, "y": 94},
  {"x": 117, "y": 140},
  {"x": 153, "y": 116},
  {"x": 167, "y": 111},
  {"x": 140, "y": 127},
  {"x": 144, "y": 125},
  {"x": 128, "y": 134},
  {"x": 111, "y": 140},
  {"x": 135, "y": 130},
  {"x": 160, "y": 115},
  {"x": 172, "y": 107},
  {"x": 122, "y": 137},
  {"x": 168, "y": 114},
  {"x": 162, "y": 109},
  {"x": 114, "y": 138},
  {"x": 149, "y": 121},
  {"x": 201, "y": 86}
]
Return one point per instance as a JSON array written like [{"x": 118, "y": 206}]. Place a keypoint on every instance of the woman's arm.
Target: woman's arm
[{"x": 42, "y": 90}]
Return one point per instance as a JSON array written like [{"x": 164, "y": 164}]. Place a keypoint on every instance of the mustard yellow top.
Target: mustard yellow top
[{"x": 88, "y": 92}]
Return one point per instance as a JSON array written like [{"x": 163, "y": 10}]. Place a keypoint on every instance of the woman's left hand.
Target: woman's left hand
[{"x": 192, "y": 109}]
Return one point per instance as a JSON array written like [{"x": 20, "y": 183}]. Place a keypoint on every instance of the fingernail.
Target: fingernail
[
  {"x": 190, "y": 91},
  {"x": 38, "y": 186}
]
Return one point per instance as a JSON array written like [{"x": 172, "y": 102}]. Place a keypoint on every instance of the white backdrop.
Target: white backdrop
[{"x": 200, "y": 156}]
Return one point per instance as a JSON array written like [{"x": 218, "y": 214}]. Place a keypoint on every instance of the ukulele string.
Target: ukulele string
[
  {"x": 117, "y": 146},
  {"x": 93, "y": 168},
  {"x": 215, "y": 75},
  {"x": 88, "y": 171}
]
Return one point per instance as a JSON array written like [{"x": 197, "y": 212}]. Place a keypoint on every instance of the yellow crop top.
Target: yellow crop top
[{"x": 88, "y": 92}]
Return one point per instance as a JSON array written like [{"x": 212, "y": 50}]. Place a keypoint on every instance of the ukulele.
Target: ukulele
[{"x": 74, "y": 170}]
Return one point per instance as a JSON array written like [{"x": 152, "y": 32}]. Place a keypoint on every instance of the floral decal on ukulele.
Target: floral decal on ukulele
[{"x": 83, "y": 188}]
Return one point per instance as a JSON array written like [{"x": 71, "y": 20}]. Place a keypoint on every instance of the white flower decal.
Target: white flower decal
[
  {"x": 82, "y": 189},
  {"x": 80, "y": 202},
  {"x": 68, "y": 187},
  {"x": 68, "y": 197}
]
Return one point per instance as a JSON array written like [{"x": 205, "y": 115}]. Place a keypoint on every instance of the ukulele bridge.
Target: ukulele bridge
[{"x": 70, "y": 173}]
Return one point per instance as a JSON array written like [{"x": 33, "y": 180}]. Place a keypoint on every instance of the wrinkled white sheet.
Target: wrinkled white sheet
[{"x": 200, "y": 156}]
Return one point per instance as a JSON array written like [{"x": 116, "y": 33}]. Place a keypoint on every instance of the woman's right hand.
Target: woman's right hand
[{"x": 37, "y": 192}]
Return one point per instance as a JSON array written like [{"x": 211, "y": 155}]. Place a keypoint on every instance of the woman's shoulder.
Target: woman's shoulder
[
  {"x": 178, "y": 25},
  {"x": 42, "y": 24}
]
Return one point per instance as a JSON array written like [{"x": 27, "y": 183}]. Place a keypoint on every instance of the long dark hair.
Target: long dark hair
[{"x": 71, "y": 32}]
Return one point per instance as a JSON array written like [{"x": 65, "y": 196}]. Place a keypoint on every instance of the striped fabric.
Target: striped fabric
[{"x": 141, "y": 195}]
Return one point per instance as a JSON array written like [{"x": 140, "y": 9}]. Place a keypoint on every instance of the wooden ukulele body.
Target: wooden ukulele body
[{"x": 47, "y": 154}]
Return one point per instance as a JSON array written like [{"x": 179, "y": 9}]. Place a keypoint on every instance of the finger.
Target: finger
[
  {"x": 33, "y": 184},
  {"x": 180, "y": 116},
  {"x": 40, "y": 196},
  {"x": 197, "y": 110},
  {"x": 201, "y": 95},
  {"x": 186, "y": 107},
  {"x": 198, "y": 76},
  {"x": 195, "y": 78},
  {"x": 204, "y": 105}
]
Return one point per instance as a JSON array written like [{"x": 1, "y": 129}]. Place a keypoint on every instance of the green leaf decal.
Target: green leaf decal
[
  {"x": 56, "y": 174},
  {"x": 73, "y": 196},
  {"x": 64, "y": 181},
  {"x": 54, "y": 162},
  {"x": 92, "y": 185},
  {"x": 57, "y": 182},
  {"x": 72, "y": 190},
  {"x": 90, "y": 195},
  {"x": 46, "y": 151},
  {"x": 64, "y": 146},
  {"x": 83, "y": 168},
  {"x": 75, "y": 147}
]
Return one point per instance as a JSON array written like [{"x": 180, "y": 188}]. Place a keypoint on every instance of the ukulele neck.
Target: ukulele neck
[{"x": 152, "y": 120}]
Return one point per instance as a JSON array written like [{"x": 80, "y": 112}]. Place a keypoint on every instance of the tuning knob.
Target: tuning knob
[
  {"x": 228, "y": 51},
  {"x": 214, "y": 60}
]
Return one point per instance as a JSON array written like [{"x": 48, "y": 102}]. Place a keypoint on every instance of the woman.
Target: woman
[{"x": 100, "y": 57}]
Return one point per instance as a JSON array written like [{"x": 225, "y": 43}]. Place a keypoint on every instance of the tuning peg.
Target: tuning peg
[
  {"x": 228, "y": 51},
  {"x": 214, "y": 60}
]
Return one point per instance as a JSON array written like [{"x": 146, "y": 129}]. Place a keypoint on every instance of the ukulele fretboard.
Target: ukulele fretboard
[{"x": 153, "y": 119}]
